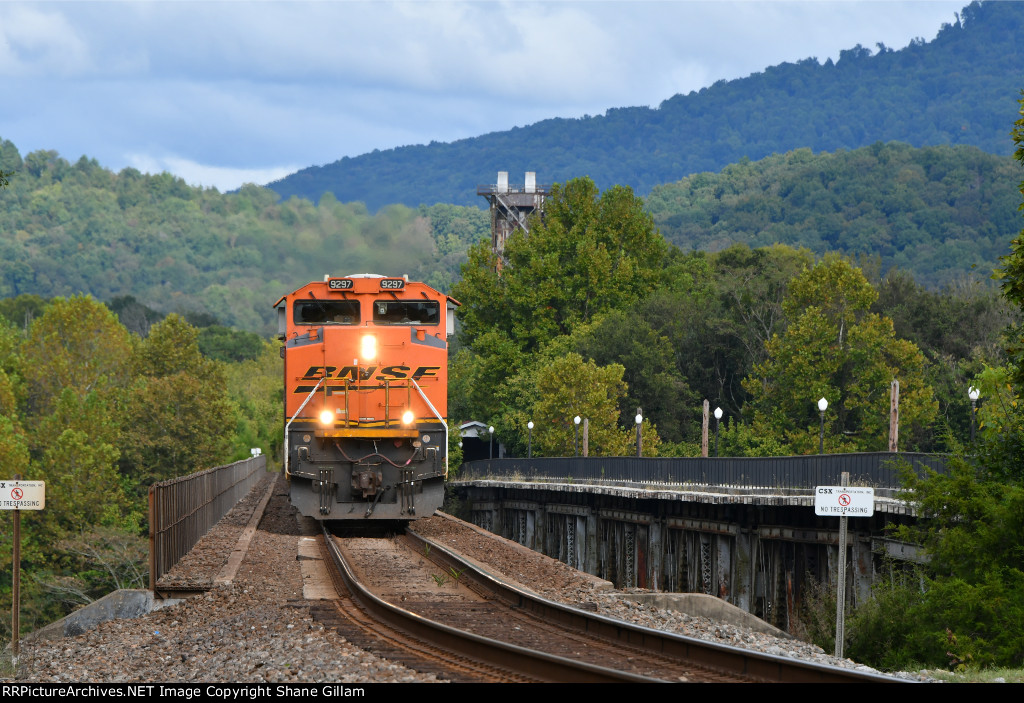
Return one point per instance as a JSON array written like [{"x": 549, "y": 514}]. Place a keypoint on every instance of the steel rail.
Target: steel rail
[
  {"x": 519, "y": 660},
  {"x": 721, "y": 658}
]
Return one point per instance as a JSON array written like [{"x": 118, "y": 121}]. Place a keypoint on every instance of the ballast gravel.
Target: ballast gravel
[{"x": 258, "y": 629}]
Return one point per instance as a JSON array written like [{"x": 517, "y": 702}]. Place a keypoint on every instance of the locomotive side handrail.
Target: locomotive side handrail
[
  {"x": 284, "y": 464},
  {"x": 183, "y": 509},
  {"x": 438, "y": 416}
]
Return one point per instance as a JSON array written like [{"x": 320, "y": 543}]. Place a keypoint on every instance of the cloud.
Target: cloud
[
  {"x": 196, "y": 174},
  {"x": 38, "y": 42}
]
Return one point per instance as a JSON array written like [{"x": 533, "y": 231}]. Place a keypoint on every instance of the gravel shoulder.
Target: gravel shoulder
[{"x": 254, "y": 630}]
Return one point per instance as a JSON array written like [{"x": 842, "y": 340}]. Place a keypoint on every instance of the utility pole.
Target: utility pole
[
  {"x": 894, "y": 416},
  {"x": 704, "y": 430}
]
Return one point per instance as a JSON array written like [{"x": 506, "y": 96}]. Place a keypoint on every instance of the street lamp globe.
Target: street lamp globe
[
  {"x": 973, "y": 393},
  {"x": 718, "y": 421},
  {"x": 822, "y": 404}
]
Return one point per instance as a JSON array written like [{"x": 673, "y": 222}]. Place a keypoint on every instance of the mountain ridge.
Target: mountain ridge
[{"x": 959, "y": 88}]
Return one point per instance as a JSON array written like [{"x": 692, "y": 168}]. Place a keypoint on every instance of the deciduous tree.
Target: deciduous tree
[
  {"x": 76, "y": 344},
  {"x": 568, "y": 386},
  {"x": 182, "y": 418},
  {"x": 834, "y": 348},
  {"x": 592, "y": 253}
]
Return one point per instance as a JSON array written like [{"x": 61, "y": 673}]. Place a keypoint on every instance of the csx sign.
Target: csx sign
[{"x": 839, "y": 501}]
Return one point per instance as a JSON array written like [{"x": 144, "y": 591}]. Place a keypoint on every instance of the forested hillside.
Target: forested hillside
[
  {"x": 69, "y": 228},
  {"x": 79, "y": 228},
  {"x": 958, "y": 88},
  {"x": 936, "y": 211}
]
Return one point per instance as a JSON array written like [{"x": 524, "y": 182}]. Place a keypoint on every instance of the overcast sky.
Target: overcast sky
[{"x": 222, "y": 93}]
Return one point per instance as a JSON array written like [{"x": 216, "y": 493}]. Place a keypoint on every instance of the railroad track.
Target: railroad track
[
  {"x": 412, "y": 600},
  {"x": 400, "y": 634}
]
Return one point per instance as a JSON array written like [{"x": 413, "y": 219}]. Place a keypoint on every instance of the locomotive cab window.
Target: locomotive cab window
[
  {"x": 406, "y": 312},
  {"x": 318, "y": 312}
]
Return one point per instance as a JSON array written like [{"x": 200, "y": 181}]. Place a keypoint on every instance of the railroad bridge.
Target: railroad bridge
[{"x": 743, "y": 529}]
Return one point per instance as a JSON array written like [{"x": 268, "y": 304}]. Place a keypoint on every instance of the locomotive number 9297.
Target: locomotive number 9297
[{"x": 368, "y": 439}]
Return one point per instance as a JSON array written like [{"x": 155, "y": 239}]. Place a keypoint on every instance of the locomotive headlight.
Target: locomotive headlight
[
  {"x": 326, "y": 417},
  {"x": 369, "y": 348},
  {"x": 408, "y": 417}
]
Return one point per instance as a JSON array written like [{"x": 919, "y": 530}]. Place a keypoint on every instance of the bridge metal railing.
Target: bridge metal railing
[
  {"x": 877, "y": 469},
  {"x": 182, "y": 510}
]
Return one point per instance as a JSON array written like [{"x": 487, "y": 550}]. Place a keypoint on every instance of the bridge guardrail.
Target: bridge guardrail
[
  {"x": 183, "y": 509},
  {"x": 877, "y": 469}
]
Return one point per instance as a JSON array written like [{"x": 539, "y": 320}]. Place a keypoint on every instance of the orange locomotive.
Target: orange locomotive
[{"x": 366, "y": 397}]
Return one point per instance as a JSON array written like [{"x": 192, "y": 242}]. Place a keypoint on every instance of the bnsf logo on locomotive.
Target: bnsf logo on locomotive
[{"x": 352, "y": 373}]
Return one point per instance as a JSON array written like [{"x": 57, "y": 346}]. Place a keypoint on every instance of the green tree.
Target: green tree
[
  {"x": 78, "y": 462},
  {"x": 23, "y": 309},
  {"x": 834, "y": 348},
  {"x": 568, "y": 386},
  {"x": 14, "y": 451},
  {"x": 254, "y": 386},
  {"x": 650, "y": 373},
  {"x": 1011, "y": 274},
  {"x": 76, "y": 344},
  {"x": 478, "y": 377},
  {"x": 959, "y": 329},
  {"x": 182, "y": 420},
  {"x": 590, "y": 254},
  {"x": 171, "y": 347},
  {"x": 224, "y": 344}
]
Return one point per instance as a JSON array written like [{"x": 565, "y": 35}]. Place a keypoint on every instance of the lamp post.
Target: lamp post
[
  {"x": 718, "y": 418},
  {"x": 529, "y": 443},
  {"x": 639, "y": 441},
  {"x": 576, "y": 440},
  {"x": 973, "y": 393},
  {"x": 490, "y": 431},
  {"x": 822, "y": 405}
]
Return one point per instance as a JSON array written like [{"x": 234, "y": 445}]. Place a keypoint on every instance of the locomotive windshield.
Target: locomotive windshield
[
  {"x": 406, "y": 312},
  {"x": 318, "y": 312}
]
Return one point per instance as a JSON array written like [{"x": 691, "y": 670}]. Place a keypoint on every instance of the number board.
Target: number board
[
  {"x": 392, "y": 284},
  {"x": 340, "y": 283}
]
